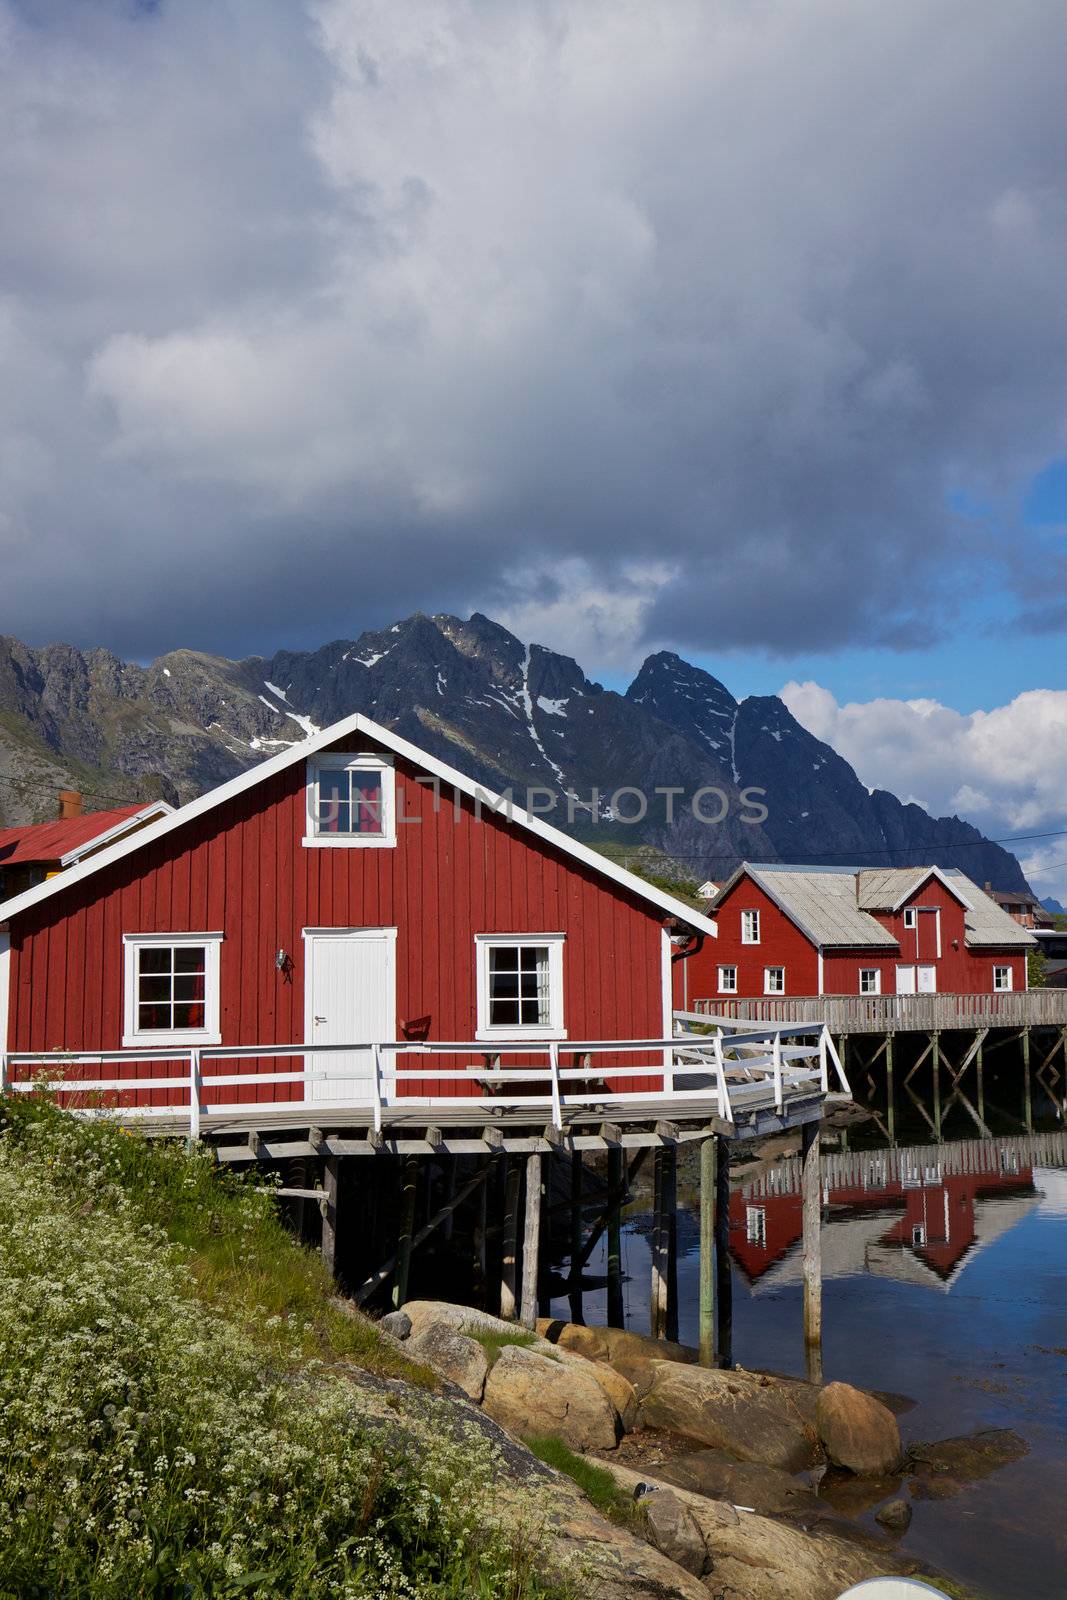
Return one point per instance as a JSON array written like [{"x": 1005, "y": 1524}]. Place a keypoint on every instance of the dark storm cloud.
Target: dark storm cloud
[{"x": 702, "y": 313}]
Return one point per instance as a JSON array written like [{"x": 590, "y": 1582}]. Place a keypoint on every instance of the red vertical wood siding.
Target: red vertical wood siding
[
  {"x": 241, "y": 869},
  {"x": 781, "y": 945}
]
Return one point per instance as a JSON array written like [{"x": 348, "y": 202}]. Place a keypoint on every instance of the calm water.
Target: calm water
[{"x": 945, "y": 1279}]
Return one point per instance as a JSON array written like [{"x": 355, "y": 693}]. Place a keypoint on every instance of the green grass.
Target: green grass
[
  {"x": 596, "y": 1483},
  {"x": 180, "y": 1410},
  {"x": 493, "y": 1342}
]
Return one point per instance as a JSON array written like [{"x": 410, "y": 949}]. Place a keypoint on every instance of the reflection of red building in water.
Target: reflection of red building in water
[{"x": 899, "y": 1214}]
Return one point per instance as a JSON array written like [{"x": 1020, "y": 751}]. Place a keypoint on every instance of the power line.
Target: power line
[{"x": 88, "y": 794}]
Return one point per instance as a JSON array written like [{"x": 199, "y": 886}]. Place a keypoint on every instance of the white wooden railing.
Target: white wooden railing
[
  {"x": 732, "y": 1066},
  {"x": 888, "y": 1013}
]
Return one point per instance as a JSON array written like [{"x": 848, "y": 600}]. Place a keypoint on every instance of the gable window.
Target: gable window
[
  {"x": 727, "y": 980},
  {"x": 870, "y": 980},
  {"x": 171, "y": 989},
  {"x": 774, "y": 980},
  {"x": 911, "y": 917},
  {"x": 756, "y": 1226},
  {"x": 351, "y": 800},
  {"x": 520, "y": 985},
  {"x": 750, "y": 927},
  {"x": 1002, "y": 978}
]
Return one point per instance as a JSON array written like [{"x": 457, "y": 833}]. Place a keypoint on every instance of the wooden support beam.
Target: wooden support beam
[
  {"x": 935, "y": 1040},
  {"x": 616, "y": 1194},
  {"x": 512, "y": 1186},
  {"x": 979, "y": 1065},
  {"x": 890, "y": 1094},
  {"x": 407, "y": 1230},
  {"x": 616, "y": 1197},
  {"x": 724, "y": 1277},
  {"x": 531, "y": 1239},
  {"x": 1028, "y": 1108},
  {"x": 957, "y": 1091},
  {"x": 331, "y": 1186},
  {"x": 577, "y": 1197},
  {"x": 917, "y": 1063},
  {"x": 708, "y": 1185},
  {"x": 811, "y": 1193},
  {"x": 670, "y": 1229},
  {"x": 657, "y": 1310}
]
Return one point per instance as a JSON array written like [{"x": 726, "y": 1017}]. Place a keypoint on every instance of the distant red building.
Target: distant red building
[{"x": 854, "y": 931}]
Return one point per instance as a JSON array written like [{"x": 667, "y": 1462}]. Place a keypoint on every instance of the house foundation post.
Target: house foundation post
[
  {"x": 979, "y": 1064},
  {"x": 890, "y": 1094},
  {"x": 410, "y": 1183},
  {"x": 331, "y": 1183},
  {"x": 708, "y": 1184},
  {"x": 512, "y": 1186},
  {"x": 1028, "y": 1108},
  {"x": 531, "y": 1240},
  {"x": 935, "y": 1057},
  {"x": 724, "y": 1279},
  {"x": 575, "y": 1274},
  {"x": 670, "y": 1220},
  {"x": 657, "y": 1309},
  {"x": 616, "y": 1180},
  {"x": 811, "y": 1191}
]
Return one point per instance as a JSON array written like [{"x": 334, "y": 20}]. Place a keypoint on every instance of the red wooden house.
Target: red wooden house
[
  {"x": 800, "y": 930},
  {"x": 353, "y": 888}
]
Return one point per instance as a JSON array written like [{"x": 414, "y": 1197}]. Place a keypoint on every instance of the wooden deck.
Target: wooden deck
[
  {"x": 898, "y": 1013},
  {"x": 738, "y": 1081}
]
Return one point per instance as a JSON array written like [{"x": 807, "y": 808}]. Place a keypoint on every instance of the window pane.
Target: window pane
[
  {"x": 367, "y": 798},
  {"x": 152, "y": 1018},
  {"x": 189, "y": 1016},
  {"x": 531, "y": 1012},
  {"x": 503, "y": 1013},
  {"x": 189, "y": 987},
  {"x": 334, "y": 808},
  {"x": 154, "y": 989},
  {"x": 190, "y": 958},
  {"x": 503, "y": 958},
  {"x": 519, "y": 986},
  {"x": 505, "y": 986},
  {"x": 155, "y": 958}
]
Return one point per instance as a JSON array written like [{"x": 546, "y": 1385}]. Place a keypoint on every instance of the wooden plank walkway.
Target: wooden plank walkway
[{"x": 897, "y": 1013}]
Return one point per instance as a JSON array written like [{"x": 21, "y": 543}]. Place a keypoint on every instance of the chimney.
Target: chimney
[{"x": 70, "y": 804}]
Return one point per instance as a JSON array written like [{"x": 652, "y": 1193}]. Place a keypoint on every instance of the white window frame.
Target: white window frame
[
  {"x": 345, "y": 761},
  {"x": 767, "y": 989},
  {"x": 728, "y": 985},
  {"x": 1003, "y": 988},
  {"x": 149, "y": 1038},
  {"x": 750, "y": 927},
  {"x": 554, "y": 1029},
  {"x": 876, "y": 973},
  {"x": 756, "y": 1226},
  {"x": 911, "y": 917}
]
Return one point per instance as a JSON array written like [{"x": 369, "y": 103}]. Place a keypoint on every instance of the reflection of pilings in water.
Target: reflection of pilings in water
[{"x": 878, "y": 1169}]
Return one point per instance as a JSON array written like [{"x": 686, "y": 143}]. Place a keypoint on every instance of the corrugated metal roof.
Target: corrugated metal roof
[
  {"x": 985, "y": 922},
  {"x": 50, "y": 841},
  {"x": 823, "y": 904}
]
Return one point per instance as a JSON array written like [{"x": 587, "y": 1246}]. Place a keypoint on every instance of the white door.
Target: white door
[
  {"x": 350, "y": 999},
  {"x": 905, "y": 980},
  {"x": 927, "y": 980}
]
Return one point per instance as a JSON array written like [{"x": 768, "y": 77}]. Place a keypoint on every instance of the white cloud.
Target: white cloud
[
  {"x": 369, "y": 306},
  {"x": 1005, "y": 770}
]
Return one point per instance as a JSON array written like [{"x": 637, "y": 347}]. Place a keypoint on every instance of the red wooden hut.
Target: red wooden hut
[
  {"x": 802, "y": 930},
  {"x": 353, "y": 888}
]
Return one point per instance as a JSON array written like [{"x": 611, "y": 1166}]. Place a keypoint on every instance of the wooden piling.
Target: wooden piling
[
  {"x": 531, "y": 1240},
  {"x": 407, "y": 1228},
  {"x": 670, "y": 1223},
  {"x": 575, "y": 1273},
  {"x": 890, "y": 1092},
  {"x": 512, "y": 1186},
  {"x": 708, "y": 1183},
  {"x": 935, "y": 1057},
  {"x": 1028, "y": 1107},
  {"x": 616, "y": 1180},
  {"x": 724, "y": 1278},
  {"x": 331, "y": 1186},
  {"x": 979, "y": 1058},
  {"x": 657, "y": 1307},
  {"x": 811, "y": 1191}
]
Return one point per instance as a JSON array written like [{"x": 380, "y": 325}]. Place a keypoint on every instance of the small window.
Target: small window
[
  {"x": 774, "y": 980},
  {"x": 350, "y": 800},
  {"x": 750, "y": 927},
  {"x": 756, "y": 1225},
  {"x": 171, "y": 989},
  {"x": 727, "y": 980},
  {"x": 1001, "y": 978},
  {"x": 918, "y": 1234},
  {"x": 870, "y": 980},
  {"x": 520, "y": 985},
  {"x": 911, "y": 917}
]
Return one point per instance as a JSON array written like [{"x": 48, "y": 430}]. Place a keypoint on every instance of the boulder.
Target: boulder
[
  {"x": 749, "y": 1415},
  {"x": 674, "y": 1531},
  {"x": 531, "y": 1393},
  {"x": 452, "y": 1355},
  {"x": 718, "y": 1476},
  {"x": 859, "y": 1433},
  {"x": 612, "y": 1344},
  {"x": 760, "y": 1558},
  {"x": 398, "y": 1323},
  {"x": 464, "y": 1318},
  {"x": 894, "y": 1515},
  {"x": 619, "y": 1391},
  {"x": 970, "y": 1457}
]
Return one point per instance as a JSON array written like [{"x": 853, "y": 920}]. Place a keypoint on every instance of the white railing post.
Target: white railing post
[
  {"x": 376, "y": 1051},
  {"x": 194, "y": 1096},
  {"x": 824, "y": 1065},
  {"x": 553, "y": 1062},
  {"x": 776, "y": 1057},
  {"x": 722, "y": 1088}
]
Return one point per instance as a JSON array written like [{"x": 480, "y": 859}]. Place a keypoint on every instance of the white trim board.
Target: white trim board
[
  {"x": 100, "y": 841},
  {"x": 363, "y": 727}
]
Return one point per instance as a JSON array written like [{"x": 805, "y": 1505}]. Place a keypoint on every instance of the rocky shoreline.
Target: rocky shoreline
[{"x": 739, "y": 1484}]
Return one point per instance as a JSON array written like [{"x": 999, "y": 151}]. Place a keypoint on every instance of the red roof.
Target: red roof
[{"x": 51, "y": 841}]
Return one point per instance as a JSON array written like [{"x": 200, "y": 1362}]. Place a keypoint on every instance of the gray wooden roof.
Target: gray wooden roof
[{"x": 833, "y": 905}]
